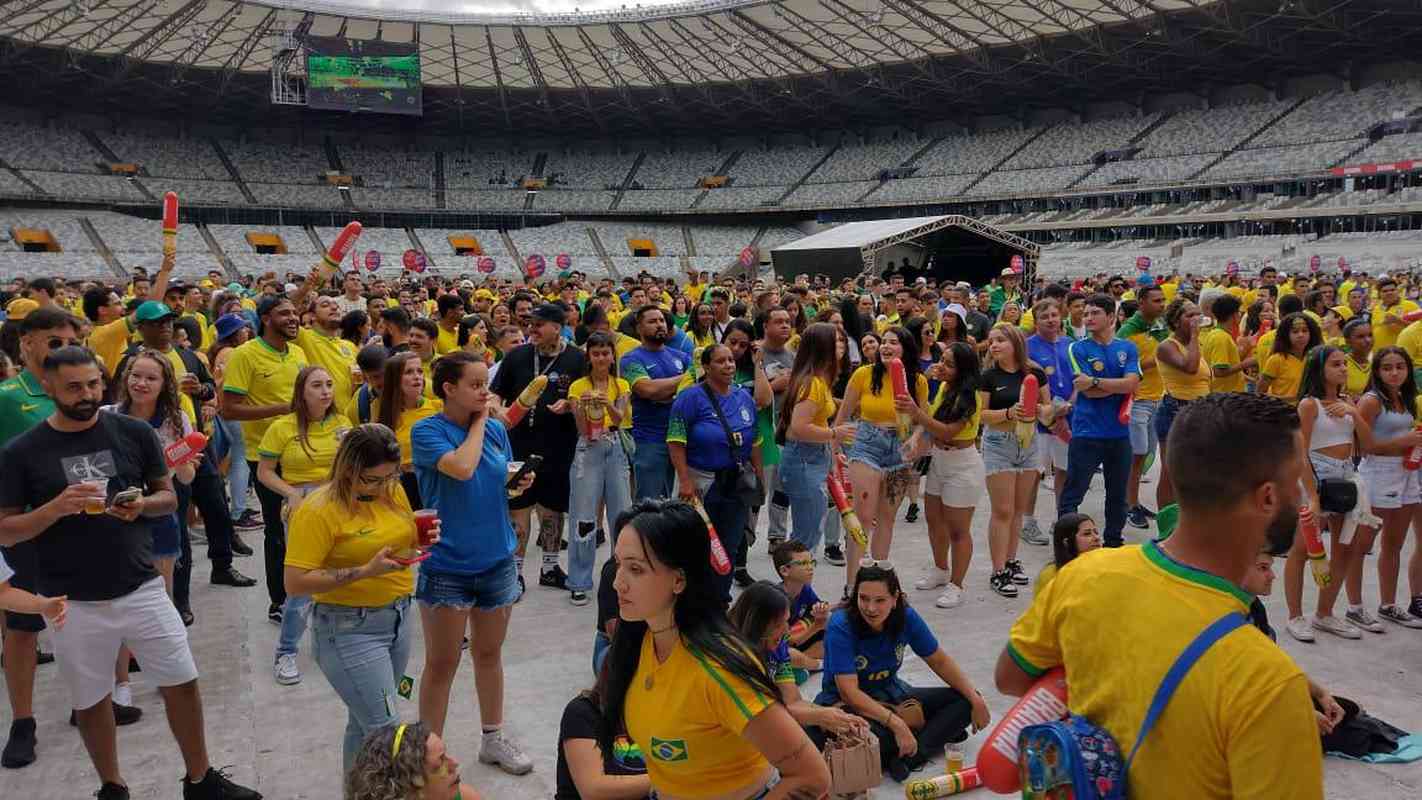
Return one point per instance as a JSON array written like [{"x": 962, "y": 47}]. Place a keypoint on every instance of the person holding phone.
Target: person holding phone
[
  {"x": 469, "y": 583},
  {"x": 339, "y": 553}
]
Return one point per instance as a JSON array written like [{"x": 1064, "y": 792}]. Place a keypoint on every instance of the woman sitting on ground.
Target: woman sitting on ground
[
  {"x": 1073, "y": 535},
  {"x": 405, "y": 762}
]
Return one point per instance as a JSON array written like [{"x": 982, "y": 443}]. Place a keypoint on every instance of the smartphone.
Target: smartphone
[
  {"x": 409, "y": 556},
  {"x": 530, "y": 464},
  {"x": 126, "y": 497}
]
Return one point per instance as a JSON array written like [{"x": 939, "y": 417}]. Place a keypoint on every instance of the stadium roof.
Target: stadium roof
[{"x": 694, "y": 64}]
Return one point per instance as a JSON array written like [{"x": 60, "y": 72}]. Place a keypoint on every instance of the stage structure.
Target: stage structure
[{"x": 955, "y": 246}]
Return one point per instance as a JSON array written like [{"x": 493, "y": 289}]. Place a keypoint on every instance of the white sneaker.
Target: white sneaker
[
  {"x": 1299, "y": 628},
  {"x": 500, "y": 750},
  {"x": 123, "y": 694},
  {"x": 932, "y": 579},
  {"x": 952, "y": 596},
  {"x": 286, "y": 671},
  {"x": 1364, "y": 619},
  {"x": 1335, "y": 626}
]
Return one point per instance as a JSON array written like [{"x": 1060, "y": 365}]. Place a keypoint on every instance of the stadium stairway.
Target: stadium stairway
[
  {"x": 419, "y": 245},
  {"x": 725, "y": 169},
  {"x": 314, "y": 237},
  {"x": 995, "y": 167},
  {"x": 1348, "y": 157},
  {"x": 441, "y": 200},
  {"x": 687, "y": 240},
  {"x": 512, "y": 250},
  {"x": 1139, "y": 137},
  {"x": 218, "y": 253},
  {"x": 232, "y": 170},
  {"x": 627, "y": 181},
  {"x": 811, "y": 171},
  {"x": 602, "y": 254},
  {"x": 102, "y": 248},
  {"x": 112, "y": 158},
  {"x": 1251, "y": 137},
  {"x": 20, "y": 176},
  {"x": 908, "y": 162}
]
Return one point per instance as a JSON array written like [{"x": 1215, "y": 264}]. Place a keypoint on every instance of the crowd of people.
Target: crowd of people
[{"x": 397, "y": 444}]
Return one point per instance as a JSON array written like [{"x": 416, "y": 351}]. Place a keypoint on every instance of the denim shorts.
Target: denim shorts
[
  {"x": 489, "y": 590},
  {"x": 1002, "y": 452},
  {"x": 1143, "y": 426},
  {"x": 166, "y": 541},
  {"x": 877, "y": 447},
  {"x": 1165, "y": 417}
]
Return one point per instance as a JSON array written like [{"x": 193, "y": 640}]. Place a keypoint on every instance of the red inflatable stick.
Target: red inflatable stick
[
  {"x": 1313, "y": 542},
  {"x": 170, "y": 222},
  {"x": 1413, "y": 459},
  {"x": 342, "y": 245},
  {"x": 185, "y": 449},
  {"x": 852, "y": 525},
  {"x": 1412, "y": 316},
  {"x": 1046, "y": 701},
  {"x": 1124, "y": 415},
  {"x": 525, "y": 400},
  {"x": 900, "y": 379},
  {"x": 719, "y": 560},
  {"x": 1028, "y": 398}
]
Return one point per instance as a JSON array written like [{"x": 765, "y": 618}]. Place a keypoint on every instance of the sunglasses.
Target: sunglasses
[{"x": 56, "y": 342}]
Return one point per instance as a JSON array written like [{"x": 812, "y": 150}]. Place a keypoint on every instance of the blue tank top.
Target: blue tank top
[{"x": 1390, "y": 424}]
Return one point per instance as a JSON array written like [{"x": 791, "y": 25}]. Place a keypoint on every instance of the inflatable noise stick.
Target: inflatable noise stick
[
  {"x": 1412, "y": 316},
  {"x": 1046, "y": 701},
  {"x": 526, "y": 398},
  {"x": 1028, "y": 399},
  {"x": 170, "y": 222},
  {"x": 1124, "y": 415},
  {"x": 1313, "y": 542},
  {"x": 943, "y": 785},
  {"x": 900, "y": 379},
  {"x": 342, "y": 245},
  {"x": 852, "y": 525},
  {"x": 719, "y": 560}
]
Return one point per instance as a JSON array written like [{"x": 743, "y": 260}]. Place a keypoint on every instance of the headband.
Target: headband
[{"x": 399, "y": 736}]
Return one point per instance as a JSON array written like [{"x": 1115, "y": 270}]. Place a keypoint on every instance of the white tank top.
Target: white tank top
[{"x": 1329, "y": 431}]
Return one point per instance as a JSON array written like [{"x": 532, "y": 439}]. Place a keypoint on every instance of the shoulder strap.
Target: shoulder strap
[
  {"x": 721, "y": 418},
  {"x": 1218, "y": 630}
]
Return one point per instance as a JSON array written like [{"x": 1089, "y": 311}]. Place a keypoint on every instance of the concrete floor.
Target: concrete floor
[{"x": 285, "y": 741}]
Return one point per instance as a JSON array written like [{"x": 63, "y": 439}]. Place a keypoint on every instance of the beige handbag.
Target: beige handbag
[{"x": 853, "y": 763}]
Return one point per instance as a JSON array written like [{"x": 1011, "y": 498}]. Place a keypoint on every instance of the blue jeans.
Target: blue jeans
[
  {"x": 653, "y": 468},
  {"x": 728, "y": 514},
  {"x": 239, "y": 475},
  {"x": 599, "y": 472},
  {"x": 293, "y": 623},
  {"x": 803, "y": 469},
  {"x": 1084, "y": 455},
  {"x": 363, "y": 653}
]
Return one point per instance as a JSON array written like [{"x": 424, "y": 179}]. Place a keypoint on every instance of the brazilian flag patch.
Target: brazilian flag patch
[
  {"x": 668, "y": 749},
  {"x": 406, "y": 687}
]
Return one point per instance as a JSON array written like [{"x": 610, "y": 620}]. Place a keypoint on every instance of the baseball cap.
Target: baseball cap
[
  {"x": 484, "y": 294},
  {"x": 153, "y": 311},
  {"x": 20, "y": 308},
  {"x": 551, "y": 312},
  {"x": 1008, "y": 271}
]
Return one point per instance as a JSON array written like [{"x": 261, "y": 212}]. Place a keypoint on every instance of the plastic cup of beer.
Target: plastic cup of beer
[
  {"x": 953, "y": 756},
  {"x": 424, "y": 526},
  {"x": 98, "y": 502}
]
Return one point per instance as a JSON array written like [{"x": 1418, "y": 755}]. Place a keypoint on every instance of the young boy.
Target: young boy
[
  {"x": 54, "y": 609},
  {"x": 808, "y": 614}
]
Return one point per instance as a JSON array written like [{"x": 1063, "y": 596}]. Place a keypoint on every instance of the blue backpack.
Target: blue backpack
[{"x": 1076, "y": 758}]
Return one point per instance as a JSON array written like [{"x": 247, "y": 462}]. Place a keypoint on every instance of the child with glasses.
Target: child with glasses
[{"x": 808, "y": 613}]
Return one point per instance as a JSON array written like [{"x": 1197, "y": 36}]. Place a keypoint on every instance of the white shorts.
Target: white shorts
[
  {"x": 1053, "y": 452},
  {"x": 87, "y": 647},
  {"x": 1390, "y": 484},
  {"x": 956, "y": 477}
]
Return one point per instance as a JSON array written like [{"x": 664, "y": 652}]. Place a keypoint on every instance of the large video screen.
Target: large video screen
[{"x": 357, "y": 75}]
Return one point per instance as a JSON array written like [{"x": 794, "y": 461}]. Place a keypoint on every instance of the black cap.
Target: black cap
[{"x": 550, "y": 312}]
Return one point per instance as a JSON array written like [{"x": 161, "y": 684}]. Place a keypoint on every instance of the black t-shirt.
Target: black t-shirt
[
  {"x": 554, "y": 436},
  {"x": 1005, "y": 388},
  {"x": 606, "y": 595},
  {"x": 580, "y": 721},
  {"x": 87, "y": 557},
  {"x": 978, "y": 325}
]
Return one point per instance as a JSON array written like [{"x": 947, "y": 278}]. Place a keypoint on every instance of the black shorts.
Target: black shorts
[
  {"x": 23, "y": 558},
  {"x": 551, "y": 488}
]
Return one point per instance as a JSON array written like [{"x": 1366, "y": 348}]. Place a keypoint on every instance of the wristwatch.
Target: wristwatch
[{"x": 1095, "y": 383}]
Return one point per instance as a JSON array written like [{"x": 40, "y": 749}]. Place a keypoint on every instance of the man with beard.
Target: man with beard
[
  {"x": 1241, "y": 724},
  {"x": 548, "y": 430},
  {"x": 322, "y": 342},
  {"x": 55, "y": 474},
  {"x": 257, "y": 388},
  {"x": 653, "y": 371}
]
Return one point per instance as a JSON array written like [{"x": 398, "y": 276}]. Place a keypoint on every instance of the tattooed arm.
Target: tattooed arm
[
  {"x": 803, "y": 774},
  {"x": 315, "y": 581}
]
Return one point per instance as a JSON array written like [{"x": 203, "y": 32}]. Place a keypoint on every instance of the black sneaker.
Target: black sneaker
[
  {"x": 123, "y": 715},
  {"x": 274, "y": 614},
  {"x": 186, "y": 615},
  {"x": 1018, "y": 576},
  {"x": 601, "y": 537},
  {"x": 240, "y": 547},
  {"x": 578, "y": 598},
  {"x": 250, "y": 519},
  {"x": 742, "y": 578},
  {"x": 41, "y": 657},
  {"x": 834, "y": 555},
  {"x": 912, "y": 515},
  {"x": 522, "y": 587},
  {"x": 112, "y": 791},
  {"x": 20, "y": 747},
  {"x": 1136, "y": 517},
  {"x": 231, "y": 577},
  {"x": 1001, "y": 582},
  {"x": 1415, "y": 608},
  {"x": 215, "y": 786},
  {"x": 554, "y": 578}
]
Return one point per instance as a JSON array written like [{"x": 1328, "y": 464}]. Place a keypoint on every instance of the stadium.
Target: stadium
[{"x": 663, "y": 137}]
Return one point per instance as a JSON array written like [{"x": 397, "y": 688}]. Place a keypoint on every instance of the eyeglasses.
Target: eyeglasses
[
  {"x": 55, "y": 343},
  {"x": 804, "y": 562},
  {"x": 379, "y": 480}
]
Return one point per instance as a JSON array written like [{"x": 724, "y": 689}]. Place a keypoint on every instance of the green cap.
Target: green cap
[{"x": 153, "y": 311}]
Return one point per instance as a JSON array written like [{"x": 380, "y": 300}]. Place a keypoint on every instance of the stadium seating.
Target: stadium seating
[
  {"x": 776, "y": 167},
  {"x": 863, "y": 162},
  {"x": 550, "y": 240},
  {"x": 80, "y": 186},
  {"x": 658, "y": 199},
  {"x": 1259, "y": 162},
  {"x": 1402, "y": 147},
  {"x": 1149, "y": 170},
  {"x": 1209, "y": 130},
  {"x": 1076, "y": 144},
  {"x": 577, "y": 170},
  {"x": 261, "y": 162},
  {"x": 167, "y": 157},
  {"x": 829, "y": 194},
  {"x": 742, "y": 197},
  {"x": 1344, "y": 114},
  {"x": 677, "y": 169},
  {"x": 485, "y": 169},
  {"x": 55, "y": 149},
  {"x": 391, "y": 199}
]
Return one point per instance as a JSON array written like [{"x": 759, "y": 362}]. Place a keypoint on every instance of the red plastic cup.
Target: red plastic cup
[{"x": 424, "y": 526}]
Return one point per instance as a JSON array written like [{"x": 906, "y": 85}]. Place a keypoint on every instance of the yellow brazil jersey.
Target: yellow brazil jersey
[
  {"x": 1385, "y": 333},
  {"x": 1410, "y": 340},
  {"x": 310, "y": 463},
  {"x": 179, "y": 370},
  {"x": 203, "y": 326},
  {"x": 1359, "y": 375},
  {"x": 1240, "y": 725},
  {"x": 687, "y": 714},
  {"x": 615, "y": 394},
  {"x": 265, "y": 377},
  {"x": 1045, "y": 577},
  {"x": 447, "y": 342},
  {"x": 1265, "y": 345},
  {"x": 1219, "y": 349},
  {"x": 818, "y": 392},
  {"x": 324, "y": 534},
  {"x": 109, "y": 341},
  {"x": 428, "y": 407},
  {"x": 1183, "y": 385},
  {"x": 1169, "y": 289},
  {"x": 693, "y": 291},
  {"x": 337, "y": 356},
  {"x": 969, "y": 433},
  {"x": 1146, "y": 336},
  {"x": 878, "y": 407},
  {"x": 1285, "y": 371},
  {"x": 624, "y": 344}
]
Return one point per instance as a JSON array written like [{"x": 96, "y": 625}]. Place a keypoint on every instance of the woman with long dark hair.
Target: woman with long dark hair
[
  {"x": 1358, "y": 340},
  {"x": 701, "y": 325},
  {"x": 340, "y": 554},
  {"x": 355, "y": 328},
  {"x": 402, "y": 403},
  {"x": 876, "y": 458},
  {"x": 296, "y": 456},
  {"x": 864, "y": 646},
  {"x": 1072, "y": 535},
  {"x": 805, "y": 435},
  {"x": 585, "y": 770},
  {"x": 955, "y": 475},
  {"x": 683, "y": 684},
  {"x": 1280, "y": 374}
]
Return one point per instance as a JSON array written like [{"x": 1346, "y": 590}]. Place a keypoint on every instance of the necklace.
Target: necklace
[{"x": 651, "y": 677}]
